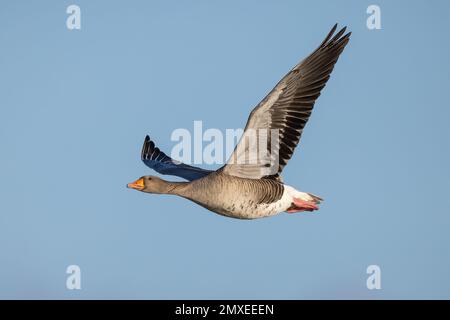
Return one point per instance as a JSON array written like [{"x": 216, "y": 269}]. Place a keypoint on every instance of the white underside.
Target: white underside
[{"x": 267, "y": 210}]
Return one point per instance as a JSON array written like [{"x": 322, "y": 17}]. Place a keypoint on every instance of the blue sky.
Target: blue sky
[{"x": 76, "y": 105}]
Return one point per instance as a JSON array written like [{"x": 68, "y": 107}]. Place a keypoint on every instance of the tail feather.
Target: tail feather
[
  {"x": 302, "y": 201},
  {"x": 316, "y": 199}
]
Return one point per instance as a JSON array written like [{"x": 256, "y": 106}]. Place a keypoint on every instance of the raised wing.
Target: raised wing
[
  {"x": 160, "y": 162},
  {"x": 278, "y": 120}
]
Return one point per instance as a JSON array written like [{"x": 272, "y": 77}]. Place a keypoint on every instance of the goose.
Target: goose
[{"x": 246, "y": 189}]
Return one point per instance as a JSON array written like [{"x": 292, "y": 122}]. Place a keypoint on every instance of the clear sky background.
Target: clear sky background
[{"x": 76, "y": 105}]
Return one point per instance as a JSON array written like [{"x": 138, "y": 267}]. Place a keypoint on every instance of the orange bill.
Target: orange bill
[{"x": 138, "y": 184}]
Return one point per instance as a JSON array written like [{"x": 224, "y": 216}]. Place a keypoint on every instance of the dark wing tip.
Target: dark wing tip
[
  {"x": 338, "y": 34},
  {"x": 145, "y": 147},
  {"x": 329, "y": 35},
  {"x": 332, "y": 37},
  {"x": 333, "y": 29},
  {"x": 150, "y": 151},
  {"x": 335, "y": 42}
]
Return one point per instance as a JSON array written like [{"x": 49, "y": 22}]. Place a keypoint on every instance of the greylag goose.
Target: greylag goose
[{"x": 254, "y": 189}]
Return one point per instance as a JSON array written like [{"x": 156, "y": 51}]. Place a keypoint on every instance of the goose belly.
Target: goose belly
[{"x": 245, "y": 207}]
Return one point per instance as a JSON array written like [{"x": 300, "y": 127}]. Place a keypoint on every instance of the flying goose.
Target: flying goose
[{"x": 248, "y": 189}]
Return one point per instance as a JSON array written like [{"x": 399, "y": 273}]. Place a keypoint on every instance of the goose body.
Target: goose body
[
  {"x": 240, "y": 197},
  {"x": 254, "y": 189}
]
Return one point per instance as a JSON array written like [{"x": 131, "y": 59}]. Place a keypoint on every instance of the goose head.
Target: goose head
[{"x": 149, "y": 184}]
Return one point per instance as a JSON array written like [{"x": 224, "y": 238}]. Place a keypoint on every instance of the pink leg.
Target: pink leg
[
  {"x": 295, "y": 210},
  {"x": 302, "y": 205}
]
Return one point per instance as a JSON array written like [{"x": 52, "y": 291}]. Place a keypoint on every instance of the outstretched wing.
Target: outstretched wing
[
  {"x": 285, "y": 111},
  {"x": 160, "y": 162}
]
